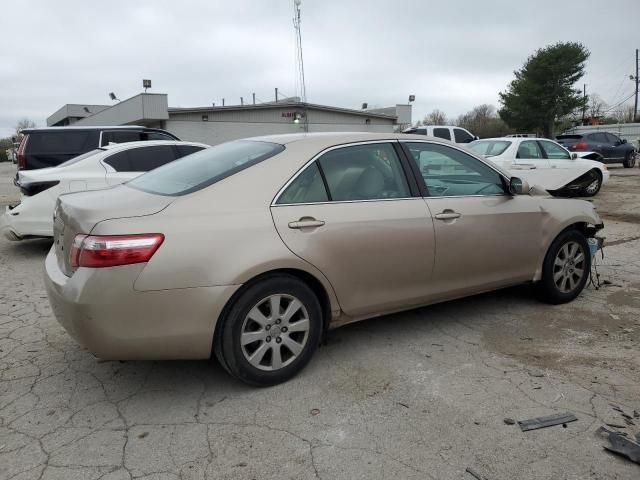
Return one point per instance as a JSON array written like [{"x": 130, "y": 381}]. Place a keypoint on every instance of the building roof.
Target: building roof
[{"x": 270, "y": 105}]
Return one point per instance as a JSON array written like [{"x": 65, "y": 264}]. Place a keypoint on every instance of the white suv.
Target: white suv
[{"x": 454, "y": 134}]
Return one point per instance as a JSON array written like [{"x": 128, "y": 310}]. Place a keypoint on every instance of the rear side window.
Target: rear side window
[
  {"x": 529, "y": 149},
  {"x": 489, "y": 148},
  {"x": 80, "y": 157},
  {"x": 120, "y": 162},
  {"x": 120, "y": 137},
  {"x": 442, "y": 133},
  {"x": 462, "y": 136},
  {"x": 598, "y": 137},
  {"x": 308, "y": 187},
  {"x": 364, "y": 172},
  {"x": 58, "y": 142},
  {"x": 204, "y": 168}
]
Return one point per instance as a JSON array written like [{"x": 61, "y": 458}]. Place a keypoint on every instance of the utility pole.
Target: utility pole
[
  {"x": 254, "y": 98},
  {"x": 276, "y": 94},
  {"x": 635, "y": 108},
  {"x": 584, "y": 101}
]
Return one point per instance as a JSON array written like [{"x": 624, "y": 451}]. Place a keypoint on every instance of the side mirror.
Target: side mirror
[
  {"x": 574, "y": 156},
  {"x": 518, "y": 186},
  {"x": 624, "y": 140}
]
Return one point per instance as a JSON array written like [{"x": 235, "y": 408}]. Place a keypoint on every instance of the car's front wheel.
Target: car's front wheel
[
  {"x": 629, "y": 160},
  {"x": 271, "y": 331},
  {"x": 594, "y": 186},
  {"x": 566, "y": 268}
]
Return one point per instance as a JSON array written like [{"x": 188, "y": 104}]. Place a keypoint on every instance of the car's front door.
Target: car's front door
[
  {"x": 485, "y": 237},
  {"x": 352, "y": 214},
  {"x": 616, "y": 147}
]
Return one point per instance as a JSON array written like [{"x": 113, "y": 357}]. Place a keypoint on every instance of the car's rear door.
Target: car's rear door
[
  {"x": 485, "y": 237},
  {"x": 355, "y": 215}
]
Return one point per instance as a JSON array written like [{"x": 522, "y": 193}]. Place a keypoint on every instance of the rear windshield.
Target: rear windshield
[
  {"x": 79, "y": 157},
  {"x": 489, "y": 148},
  {"x": 201, "y": 169}
]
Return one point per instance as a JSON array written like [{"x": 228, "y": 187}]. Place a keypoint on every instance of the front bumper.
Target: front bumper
[{"x": 100, "y": 309}]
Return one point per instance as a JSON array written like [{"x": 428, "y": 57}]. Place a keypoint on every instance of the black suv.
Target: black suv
[
  {"x": 48, "y": 147},
  {"x": 610, "y": 147}
]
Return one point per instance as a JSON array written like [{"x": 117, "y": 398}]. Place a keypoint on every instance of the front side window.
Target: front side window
[
  {"x": 307, "y": 187},
  {"x": 442, "y": 133},
  {"x": 462, "y": 136},
  {"x": 449, "y": 172},
  {"x": 364, "y": 172},
  {"x": 120, "y": 137},
  {"x": 612, "y": 139},
  {"x": 555, "y": 151},
  {"x": 529, "y": 150},
  {"x": 201, "y": 169}
]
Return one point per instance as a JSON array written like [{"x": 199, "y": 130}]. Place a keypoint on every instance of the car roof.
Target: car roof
[
  {"x": 78, "y": 127},
  {"x": 337, "y": 138},
  {"x": 148, "y": 143}
]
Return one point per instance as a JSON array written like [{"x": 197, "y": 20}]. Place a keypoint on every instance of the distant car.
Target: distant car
[
  {"x": 453, "y": 134},
  {"x": 250, "y": 250},
  {"x": 51, "y": 146},
  {"x": 101, "y": 168},
  {"x": 609, "y": 146},
  {"x": 545, "y": 163}
]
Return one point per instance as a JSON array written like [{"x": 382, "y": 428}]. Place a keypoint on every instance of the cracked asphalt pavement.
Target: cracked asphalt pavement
[{"x": 417, "y": 395}]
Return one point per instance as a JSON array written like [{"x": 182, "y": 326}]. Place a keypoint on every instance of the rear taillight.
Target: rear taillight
[
  {"x": 579, "y": 146},
  {"x": 98, "y": 251},
  {"x": 22, "y": 155},
  {"x": 33, "y": 188}
]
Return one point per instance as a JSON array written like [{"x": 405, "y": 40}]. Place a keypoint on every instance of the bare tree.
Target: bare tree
[
  {"x": 483, "y": 121},
  {"x": 24, "y": 123},
  {"x": 596, "y": 106},
  {"x": 436, "y": 117}
]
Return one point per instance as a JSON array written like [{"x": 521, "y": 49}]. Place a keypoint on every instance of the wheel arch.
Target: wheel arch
[{"x": 307, "y": 278}]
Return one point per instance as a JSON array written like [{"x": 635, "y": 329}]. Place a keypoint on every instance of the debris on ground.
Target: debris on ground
[
  {"x": 475, "y": 474},
  {"x": 548, "y": 421},
  {"x": 622, "y": 445},
  {"x": 509, "y": 421}
]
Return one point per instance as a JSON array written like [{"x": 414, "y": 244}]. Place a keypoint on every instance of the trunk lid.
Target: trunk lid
[{"x": 78, "y": 213}]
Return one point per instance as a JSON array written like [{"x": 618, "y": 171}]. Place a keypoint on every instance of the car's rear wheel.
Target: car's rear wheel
[
  {"x": 594, "y": 187},
  {"x": 566, "y": 268},
  {"x": 629, "y": 160},
  {"x": 271, "y": 331}
]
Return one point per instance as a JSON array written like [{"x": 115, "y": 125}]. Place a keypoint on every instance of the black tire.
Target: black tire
[
  {"x": 232, "y": 355},
  {"x": 591, "y": 192},
  {"x": 629, "y": 160},
  {"x": 547, "y": 289}
]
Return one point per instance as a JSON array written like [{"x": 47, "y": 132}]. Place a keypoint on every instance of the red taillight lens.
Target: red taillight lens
[
  {"x": 579, "y": 146},
  {"x": 22, "y": 156},
  {"x": 98, "y": 251}
]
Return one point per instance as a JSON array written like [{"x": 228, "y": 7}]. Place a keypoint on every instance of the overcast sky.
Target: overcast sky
[{"x": 452, "y": 55}]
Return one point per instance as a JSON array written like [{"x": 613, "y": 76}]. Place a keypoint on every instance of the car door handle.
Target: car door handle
[
  {"x": 306, "y": 223},
  {"x": 448, "y": 215}
]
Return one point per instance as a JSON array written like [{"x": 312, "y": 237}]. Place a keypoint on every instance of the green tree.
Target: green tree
[{"x": 543, "y": 90}]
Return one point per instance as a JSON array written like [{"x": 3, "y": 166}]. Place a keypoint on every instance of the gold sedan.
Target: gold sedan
[{"x": 252, "y": 249}]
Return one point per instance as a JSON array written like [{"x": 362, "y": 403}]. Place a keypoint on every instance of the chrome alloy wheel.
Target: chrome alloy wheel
[
  {"x": 593, "y": 187},
  {"x": 275, "y": 332},
  {"x": 569, "y": 267}
]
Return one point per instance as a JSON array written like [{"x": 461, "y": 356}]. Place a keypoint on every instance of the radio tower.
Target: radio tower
[{"x": 300, "y": 61}]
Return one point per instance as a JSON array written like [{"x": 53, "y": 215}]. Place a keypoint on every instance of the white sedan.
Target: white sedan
[
  {"x": 545, "y": 163},
  {"x": 101, "y": 168}
]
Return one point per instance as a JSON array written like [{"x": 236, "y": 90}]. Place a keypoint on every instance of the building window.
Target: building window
[{"x": 205, "y": 118}]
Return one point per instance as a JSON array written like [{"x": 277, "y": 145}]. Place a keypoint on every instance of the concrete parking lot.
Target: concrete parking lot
[{"x": 421, "y": 394}]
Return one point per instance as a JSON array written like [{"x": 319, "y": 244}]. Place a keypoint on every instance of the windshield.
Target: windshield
[
  {"x": 489, "y": 148},
  {"x": 199, "y": 170},
  {"x": 79, "y": 157}
]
